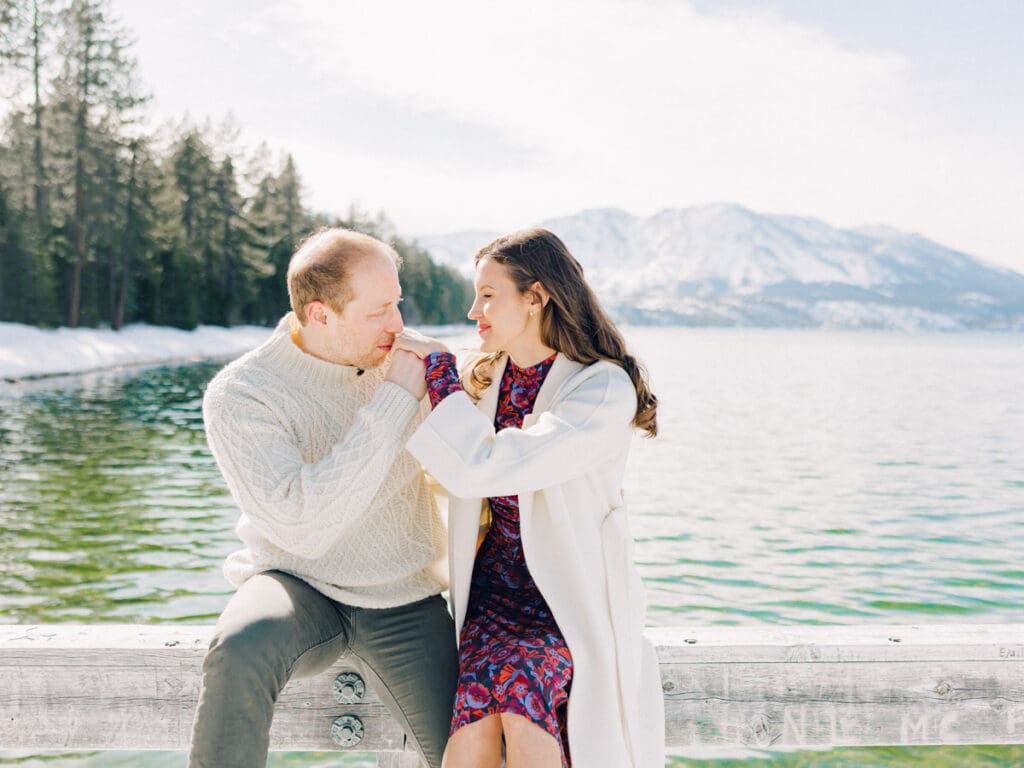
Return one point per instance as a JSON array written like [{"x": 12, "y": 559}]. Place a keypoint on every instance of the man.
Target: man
[{"x": 343, "y": 541}]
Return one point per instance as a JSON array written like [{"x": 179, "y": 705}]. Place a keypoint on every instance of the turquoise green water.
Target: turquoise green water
[{"x": 799, "y": 478}]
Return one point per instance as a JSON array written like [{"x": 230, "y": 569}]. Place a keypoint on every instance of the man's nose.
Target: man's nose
[{"x": 396, "y": 325}]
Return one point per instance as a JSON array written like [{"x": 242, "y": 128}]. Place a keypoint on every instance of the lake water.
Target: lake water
[{"x": 800, "y": 477}]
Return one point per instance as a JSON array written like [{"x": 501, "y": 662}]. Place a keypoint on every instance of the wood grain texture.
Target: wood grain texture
[
  {"x": 111, "y": 687},
  {"x": 399, "y": 760},
  {"x": 821, "y": 686}
]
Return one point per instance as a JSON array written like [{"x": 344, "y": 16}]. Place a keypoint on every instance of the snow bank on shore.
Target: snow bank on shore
[{"x": 28, "y": 352}]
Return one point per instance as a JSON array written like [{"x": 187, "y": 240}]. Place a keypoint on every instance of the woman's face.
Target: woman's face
[{"x": 501, "y": 312}]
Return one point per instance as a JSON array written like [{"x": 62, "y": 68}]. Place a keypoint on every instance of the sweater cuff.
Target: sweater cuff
[{"x": 395, "y": 403}]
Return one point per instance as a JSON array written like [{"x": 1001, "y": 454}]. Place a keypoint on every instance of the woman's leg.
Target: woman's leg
[
  {"x": 527, "y": 745},
  {"x": 477, "y": 745}
]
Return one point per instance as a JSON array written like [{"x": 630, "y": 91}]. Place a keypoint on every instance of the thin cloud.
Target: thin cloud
[{"x": 461, "y": 114}]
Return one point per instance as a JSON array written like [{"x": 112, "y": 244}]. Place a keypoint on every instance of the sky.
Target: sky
[{"x": 488, "y": 115}]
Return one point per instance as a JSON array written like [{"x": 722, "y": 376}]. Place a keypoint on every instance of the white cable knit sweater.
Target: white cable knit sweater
[{"x": 314, "y": 455}]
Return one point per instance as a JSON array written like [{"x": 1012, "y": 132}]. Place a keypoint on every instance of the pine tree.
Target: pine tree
[
  {"x": 25, "y": 46},
  {"x": 96, "y": 89},
  {"x": 14, "y": 264},
  {"x": 132, "y": 258},
  {"x": 100, "y": 221},
  {"x": 239, "y": 254},
  {"x": 277, "y": 213},
  {"x": 192, "y": 177}
]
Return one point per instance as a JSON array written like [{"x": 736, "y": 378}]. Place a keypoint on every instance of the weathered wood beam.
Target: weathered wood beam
[
  {"x": 820, "y": 686},
  {"x": 117, "y": 687}
]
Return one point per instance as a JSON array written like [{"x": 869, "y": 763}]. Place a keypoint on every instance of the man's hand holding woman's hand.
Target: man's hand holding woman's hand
[
  {"x": 406, "y": 370},
  {"x": 407, "y": 353},
  {"x": 418, "y": 344}
]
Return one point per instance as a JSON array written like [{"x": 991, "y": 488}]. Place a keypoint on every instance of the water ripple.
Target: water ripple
[{"x": 797, "y": 479}]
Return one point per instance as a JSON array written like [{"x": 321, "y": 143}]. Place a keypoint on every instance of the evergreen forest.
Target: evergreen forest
[{"x": 106, "y": 219}]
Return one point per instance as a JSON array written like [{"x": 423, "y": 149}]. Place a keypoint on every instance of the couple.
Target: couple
[{"x": 323, "y": 433}]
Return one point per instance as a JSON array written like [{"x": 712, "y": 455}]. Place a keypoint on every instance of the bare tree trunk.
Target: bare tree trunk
[
  {"x": 76, "y": 294},
  {"x": 37, "y": 110},
  {"x": 120, "y": 305},
  {"x": 81, "y": 142},
  {"x": 80, "y": 252}
]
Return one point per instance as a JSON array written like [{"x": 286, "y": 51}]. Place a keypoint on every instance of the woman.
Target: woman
[{"x": 550, "y": 611}]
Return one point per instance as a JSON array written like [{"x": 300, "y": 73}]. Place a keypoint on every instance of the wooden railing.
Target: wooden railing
[{"x": 117, "y": 687}]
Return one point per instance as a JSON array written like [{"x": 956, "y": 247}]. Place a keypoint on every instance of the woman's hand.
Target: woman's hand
[{"x": 418, "y": 344}]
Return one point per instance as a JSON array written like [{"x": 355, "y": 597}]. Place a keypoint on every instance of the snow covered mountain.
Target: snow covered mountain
[{"x": 725, "y": 265}]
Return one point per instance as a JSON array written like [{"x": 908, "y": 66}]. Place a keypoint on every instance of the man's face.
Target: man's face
[{"x": 363, "y": 333}]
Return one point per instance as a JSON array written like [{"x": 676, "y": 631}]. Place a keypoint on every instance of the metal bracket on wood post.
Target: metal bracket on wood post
[
  {"x": 347, "y": 731},
  {"x": 348, "y": 688}
]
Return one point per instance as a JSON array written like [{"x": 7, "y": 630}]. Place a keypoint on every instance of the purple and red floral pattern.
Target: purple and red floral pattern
[
  {"x": 512, "y": 656},
  {"x": 442, "y": 376}
]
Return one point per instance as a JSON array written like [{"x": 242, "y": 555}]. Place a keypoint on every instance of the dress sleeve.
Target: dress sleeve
[{"x": 442, "y": 376}]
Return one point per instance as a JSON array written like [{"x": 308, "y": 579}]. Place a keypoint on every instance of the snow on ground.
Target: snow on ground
[
  {"x": 26, "y": 351},
  {"x": 30, "y": 352}
]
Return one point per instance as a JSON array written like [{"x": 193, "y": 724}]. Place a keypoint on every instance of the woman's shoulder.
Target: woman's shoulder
[
  {"x": 605, "y": 370},
  {"x": 602, "y": 381}
]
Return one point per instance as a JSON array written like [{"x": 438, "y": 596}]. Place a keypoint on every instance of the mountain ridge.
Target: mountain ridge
[{"x": 724, "y": 264}]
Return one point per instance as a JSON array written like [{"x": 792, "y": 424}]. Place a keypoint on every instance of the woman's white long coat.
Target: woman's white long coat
[{"x": 566, "y": 465}]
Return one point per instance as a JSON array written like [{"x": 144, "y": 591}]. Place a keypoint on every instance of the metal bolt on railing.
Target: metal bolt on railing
[
  {"x": 347, "y": 731},
  {"x": 349, "y": 688}
]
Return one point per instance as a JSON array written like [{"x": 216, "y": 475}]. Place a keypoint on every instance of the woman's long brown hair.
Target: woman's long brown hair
[{"x": 572, "y": 322}]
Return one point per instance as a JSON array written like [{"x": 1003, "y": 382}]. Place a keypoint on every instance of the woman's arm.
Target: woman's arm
[
  {"x": 442, "y": 376},
  {"x": 459, "y": 446}
]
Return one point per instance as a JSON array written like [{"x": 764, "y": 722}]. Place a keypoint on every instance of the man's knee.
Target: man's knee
[
  {"x": 247, "y": 652},
  {"x": 242, "y": 676}
]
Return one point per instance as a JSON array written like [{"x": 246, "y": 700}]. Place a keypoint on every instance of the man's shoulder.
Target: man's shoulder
[{"x": 249, "y": 377}]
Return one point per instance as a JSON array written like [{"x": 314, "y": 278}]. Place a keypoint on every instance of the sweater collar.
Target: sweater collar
[{"x": 283, "y": 353}]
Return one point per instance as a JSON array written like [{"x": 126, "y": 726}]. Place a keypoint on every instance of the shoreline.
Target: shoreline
[
  {"x": 29, "y": 353},
  {"x": 42, "y": 376}
]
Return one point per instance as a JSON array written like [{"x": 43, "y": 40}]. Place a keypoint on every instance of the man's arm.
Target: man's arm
[{"x": 304, "y": 508}]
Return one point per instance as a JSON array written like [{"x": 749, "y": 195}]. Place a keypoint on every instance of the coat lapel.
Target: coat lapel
[
  {"x": 488, "y": 402},
  {"x": 464, "y": 520},
  {"x": 561, "y": 371}
]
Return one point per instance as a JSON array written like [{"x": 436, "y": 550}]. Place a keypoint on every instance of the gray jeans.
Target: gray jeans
[{"x": 277, "y": 626}]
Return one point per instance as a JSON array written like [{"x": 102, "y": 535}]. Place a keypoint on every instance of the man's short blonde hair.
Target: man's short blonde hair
[{"x": 321, "y": 267}]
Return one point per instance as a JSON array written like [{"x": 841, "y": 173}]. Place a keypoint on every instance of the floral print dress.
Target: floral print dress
[{"x": 512, "y": 656}]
